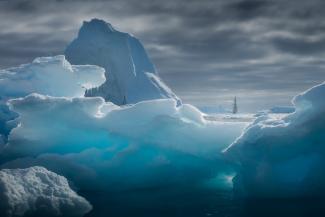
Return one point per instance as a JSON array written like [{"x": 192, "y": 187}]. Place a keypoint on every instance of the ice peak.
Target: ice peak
[
  {"x": 131, "y": 76},
  {"x": 96, "y": 26}
]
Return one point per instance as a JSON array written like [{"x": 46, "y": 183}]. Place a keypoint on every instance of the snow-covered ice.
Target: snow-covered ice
[
  {"x": 131, "y": 76},
  {"x": 38, "y": 191},
  {"x": 53, "y": 76},
  {"x": 284, "y": 156}
]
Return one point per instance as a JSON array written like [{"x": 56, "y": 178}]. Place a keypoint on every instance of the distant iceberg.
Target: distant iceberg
[
  {"x": 214, "y": 109},
  {"x": 131, "y": 76}
]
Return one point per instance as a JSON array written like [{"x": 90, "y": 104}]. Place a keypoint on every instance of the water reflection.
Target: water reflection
[{"x": 189, "y": 202}]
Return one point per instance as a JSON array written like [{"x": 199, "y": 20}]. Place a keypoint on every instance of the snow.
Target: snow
[
  {"x": 37, "y": 191},
  {"x": 92, "y": 141},
  {"x": 284, "y": 156},
  {"x": 131, "y": 76}
]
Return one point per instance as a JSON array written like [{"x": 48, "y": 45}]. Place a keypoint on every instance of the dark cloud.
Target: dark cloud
[
  {"x": 207, "y": 51},
  {"x": 249, "y": 6},
  {"x": 19, "y": 6},
  {"x": 248, "y": 9},
  {"x": 300, "y": 46}
]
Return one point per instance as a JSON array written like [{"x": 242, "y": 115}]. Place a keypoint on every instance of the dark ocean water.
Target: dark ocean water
[{"x": 189, "y": 202}]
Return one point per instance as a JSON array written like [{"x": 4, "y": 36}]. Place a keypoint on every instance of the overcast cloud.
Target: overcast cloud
[{"x": 207, "y": 51}]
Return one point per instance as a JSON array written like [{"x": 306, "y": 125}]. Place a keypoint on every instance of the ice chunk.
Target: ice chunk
[
  {"x": 53, "y": 76},
  {"x": 284, "y": 156},
  {"x": 131, "y": 76},
  {"x": 37, "y": 191}
]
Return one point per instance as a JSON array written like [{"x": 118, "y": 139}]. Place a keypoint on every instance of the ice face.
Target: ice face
[
  {"x": 97, "y": 144},
  {"x": 37, "y": 191},
  {"x": 131, "y": 76},
  {"x": 284, "y": 156}
]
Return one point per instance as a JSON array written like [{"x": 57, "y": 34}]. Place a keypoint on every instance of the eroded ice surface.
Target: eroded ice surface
[{"x": 37, "y": 191}]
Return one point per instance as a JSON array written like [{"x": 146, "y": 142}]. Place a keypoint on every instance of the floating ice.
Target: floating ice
[
  {"x": 149, "y": 143},
  {"x": 284, "y": 156},
  {"x": 37, "y": 191},
  {"x": 131, "y": 77}
]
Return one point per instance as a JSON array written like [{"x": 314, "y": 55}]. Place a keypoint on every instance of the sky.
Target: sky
[{"x": 207, "y": 51}]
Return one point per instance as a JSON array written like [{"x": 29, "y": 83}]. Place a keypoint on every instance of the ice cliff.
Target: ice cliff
[{"x": 284, "y": 157}]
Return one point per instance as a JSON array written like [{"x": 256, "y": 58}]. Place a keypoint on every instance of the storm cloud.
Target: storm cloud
[{"x": 264, "y": 52}]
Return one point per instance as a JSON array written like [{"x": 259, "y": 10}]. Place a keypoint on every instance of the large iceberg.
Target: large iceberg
[
  {"x": 284, "y": 157},
  {"x": 131, "y": 76},
  {"x": 38, "y": 192},
  {"x": 92, "y": 141}
]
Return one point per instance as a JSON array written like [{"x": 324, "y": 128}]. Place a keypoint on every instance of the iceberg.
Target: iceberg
[
  {"x": 130, "y": 75},
  {"x": 284, "y": 157},
  {"x": 36, "y": 191},
  {"x": 97, "y": 144}
]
